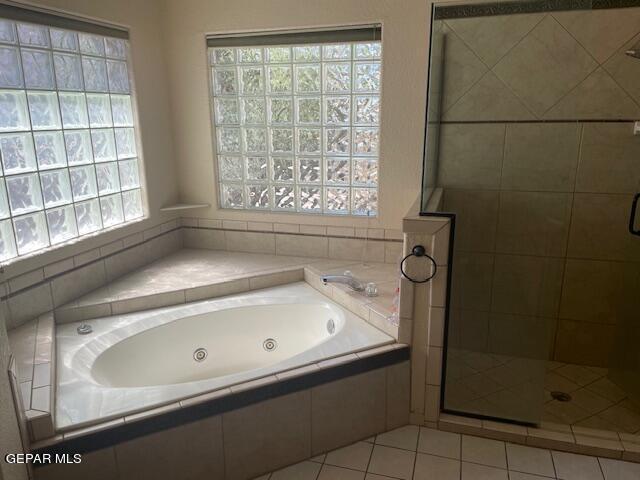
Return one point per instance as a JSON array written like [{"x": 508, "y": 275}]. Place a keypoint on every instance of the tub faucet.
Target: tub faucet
[{"x": 347, "y": 278}]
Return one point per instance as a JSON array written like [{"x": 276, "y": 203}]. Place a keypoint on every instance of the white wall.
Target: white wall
[
  {"x": 405, "y": 30},
  {"x": 144, "y": 19}
]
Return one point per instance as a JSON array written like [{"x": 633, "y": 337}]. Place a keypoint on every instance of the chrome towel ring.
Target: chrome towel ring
[{"x": 419, "y": 251}]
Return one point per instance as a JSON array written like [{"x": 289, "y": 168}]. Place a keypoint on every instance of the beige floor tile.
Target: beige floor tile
[
  {"x": 319, "y": 458},
  {"x": 438, "y": 442},
  {"x": 430, "y": 467},
  {"x": 373, "y": 476},
  {"x": 404, "y": 437},
  {"x": 590, "y": 401},
  {"x": 617, "y": 470},
  {"x": 330, "y": 472},
  {"x": 484, "y": 451},
  {"x": 609, "y": 434},
  {"x": 578, "y": 374},
  {"x": 392, "y": 462},
  {"x": 471, "y": 471},
  {"x": 570, "y": 466},
  {"x": 300, "y": 471},
  {"x": 607, "y": 389},
  {"x": 525, "y": 476},
  {"x": 624, "y": 418},
  {"x": 556, "y": 382},
  {"x": 530, "y": 460},
  {"x": 566, "y": 412},
  {"x": 354, "y": 456}
]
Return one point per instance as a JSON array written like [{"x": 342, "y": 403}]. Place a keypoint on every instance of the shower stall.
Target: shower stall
[{"x": 532, "y": 142}]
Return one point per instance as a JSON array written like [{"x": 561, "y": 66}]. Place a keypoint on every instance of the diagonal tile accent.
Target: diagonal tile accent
[
  {"x": 545, "y": 66},
  {"x": 626, "y": 70},
  {"x": 598, "y": 96},
  {"x": 601, "y": 31},
  {"x": 463, "y": 68},
  {"x": 489, "y": 99},
  {"x": 492, "y": 37}
]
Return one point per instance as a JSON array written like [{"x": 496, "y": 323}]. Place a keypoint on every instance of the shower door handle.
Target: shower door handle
[{"x": 632, "y": 218}]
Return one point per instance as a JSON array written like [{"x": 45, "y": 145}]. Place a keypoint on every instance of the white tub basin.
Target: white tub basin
[{"x": 136, "y": 361}]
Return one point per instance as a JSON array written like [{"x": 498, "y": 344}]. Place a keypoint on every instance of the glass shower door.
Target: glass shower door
[{"x": 536, "y": 156}]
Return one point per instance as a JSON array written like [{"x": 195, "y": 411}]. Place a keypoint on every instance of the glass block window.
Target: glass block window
[
  {"x": 297, "y": 127},
  {"x": 68, "y": 150}
]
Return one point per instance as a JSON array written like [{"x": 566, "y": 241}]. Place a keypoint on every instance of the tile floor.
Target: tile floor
[
  {"x": 418, "y": 453},
  {"x": 493, "y": 384},
  {"x": 596, "y": 402}
]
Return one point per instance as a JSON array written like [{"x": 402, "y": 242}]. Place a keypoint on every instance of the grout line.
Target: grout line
[
  {"x": 601, "y": 469},
  {"x": 373, "y": 446},
  {"x": 506, "y": 455},
  {"x": 297, "y": 234},
  {"x": 553, "y": 463}
]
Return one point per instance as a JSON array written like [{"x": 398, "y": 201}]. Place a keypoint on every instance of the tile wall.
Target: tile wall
[
  {"x": 542, "y": 179},
  {"x": 340, "y": 243},
  {"x": 423, "y": 316},
  {"x": 247, "y": 442},
  {"x": 38, "y": 291}
]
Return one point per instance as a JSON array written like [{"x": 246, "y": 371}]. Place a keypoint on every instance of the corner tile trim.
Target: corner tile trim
[{"x": 122, "y": 432}]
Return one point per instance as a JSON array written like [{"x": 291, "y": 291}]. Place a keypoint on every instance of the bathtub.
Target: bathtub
[{"x": 137, "y": 361}]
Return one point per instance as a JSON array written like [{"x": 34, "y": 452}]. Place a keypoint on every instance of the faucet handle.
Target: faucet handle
[
  {"x": 371, "y": 289},
  {"x": 347, "y": 273}
]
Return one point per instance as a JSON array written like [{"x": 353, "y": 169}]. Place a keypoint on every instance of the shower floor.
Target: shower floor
[
  {"x": 480, "y": 382},
  {"x": 596, "y": 402}
]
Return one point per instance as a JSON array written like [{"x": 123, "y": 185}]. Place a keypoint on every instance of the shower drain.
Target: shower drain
[
  {"x": 269, "y": 344},
  {"x": 200, "y": 354},
  {"x": 561, "y": 396}
]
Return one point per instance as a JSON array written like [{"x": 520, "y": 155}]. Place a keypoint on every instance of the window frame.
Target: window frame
[
  {"x": 352, "y": 36},
  {"x": 133, "y": 157}
]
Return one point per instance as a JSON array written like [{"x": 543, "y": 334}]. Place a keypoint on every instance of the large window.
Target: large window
[
  {"x": 297, "y": 125},
  {"x": 67, "y": 136}
]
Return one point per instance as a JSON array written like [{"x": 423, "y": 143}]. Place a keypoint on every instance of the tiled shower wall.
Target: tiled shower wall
[{"x": 538, "y": 160}]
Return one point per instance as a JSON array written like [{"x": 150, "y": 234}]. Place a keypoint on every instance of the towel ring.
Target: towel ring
[{"x": 419, "y": 251}]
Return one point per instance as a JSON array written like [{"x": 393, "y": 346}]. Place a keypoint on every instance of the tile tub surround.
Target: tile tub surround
[
  {"x": 418, "y": 453},
  {"x": 341, "y": 243},
  {"x": 33, "y": 293},
  {"x": 90, "y": 390},
  {"x": 34, "y": 347},
  {"x": 195, "y": 274},
  {"x": 217, "y": 274},
  {"x": 297, "y": 415}
]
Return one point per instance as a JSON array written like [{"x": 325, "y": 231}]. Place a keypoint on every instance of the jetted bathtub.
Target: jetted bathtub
[{"x": 139, "y": 360}]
